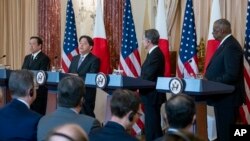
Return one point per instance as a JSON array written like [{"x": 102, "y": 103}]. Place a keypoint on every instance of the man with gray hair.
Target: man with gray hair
[{"x": 17, "y": 121}]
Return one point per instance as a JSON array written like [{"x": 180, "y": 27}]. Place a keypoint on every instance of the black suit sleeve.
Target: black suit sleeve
[{"x": 232, "y": 65}]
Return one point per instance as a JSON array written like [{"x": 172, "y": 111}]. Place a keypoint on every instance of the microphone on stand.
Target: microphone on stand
[
  {"x": 1, "y": 65},
  {"x": 3, "y": 57},
  {"x": 54, "y": 67}
]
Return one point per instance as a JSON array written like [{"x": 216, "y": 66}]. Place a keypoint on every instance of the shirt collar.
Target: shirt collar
[
  {"x": 152, "y": 49},
  {"x": 24, "y": 102},
  {"x": 84, "y": 56},
  {"x": 225, "y": 39},
  {"x": 35, "y": 54}
]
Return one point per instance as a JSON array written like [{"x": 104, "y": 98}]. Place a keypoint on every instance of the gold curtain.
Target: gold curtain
[
  {"x": 232, "y": 10},
  {"x": 18, "y": 21}
]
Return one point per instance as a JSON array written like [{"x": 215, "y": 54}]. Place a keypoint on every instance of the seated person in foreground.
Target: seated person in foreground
[
  {"x": 124, "y": 106},
  {"x": 68, "y": 132},
  {"x": 70, "y": 99},
  {"x": 17, "y": 121},
  {"x": 180, "y": 110}
]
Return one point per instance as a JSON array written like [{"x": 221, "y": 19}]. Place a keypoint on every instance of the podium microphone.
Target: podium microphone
[{"x": 3, "y": 57}]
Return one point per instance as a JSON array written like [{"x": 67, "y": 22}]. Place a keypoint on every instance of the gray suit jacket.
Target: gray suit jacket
[{"x": 62, "y": 116}]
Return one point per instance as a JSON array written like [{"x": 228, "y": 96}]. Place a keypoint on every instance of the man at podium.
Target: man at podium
[
  {"x": 152, "y": 68},
  {"x": 226, "y": 66},
  {"x": 37, "y": 60},
  {"x": 82, "y": 64}
]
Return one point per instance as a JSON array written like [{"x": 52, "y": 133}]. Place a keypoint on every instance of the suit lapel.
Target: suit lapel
[{"x": 84, "y": 62}]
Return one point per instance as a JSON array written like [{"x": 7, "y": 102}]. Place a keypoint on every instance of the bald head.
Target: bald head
[
  {"x": 68, "y": 132},
  {"x": 221, "y": 29}
]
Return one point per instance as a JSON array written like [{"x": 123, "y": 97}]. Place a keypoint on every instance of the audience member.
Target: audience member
[
  {"x": 68, "y": 132},
  {"x": 37, "y": 60},
  {"x": 152, "y": 68},
  {"x": 226, "y": 66},
  {"x": 180, "y": 115},
  {"x": 124, "y": 106},
  {"x": 17, "y": 121},
  {"x": 70, "y": 99},
  {"x": 82, "y": 64}
]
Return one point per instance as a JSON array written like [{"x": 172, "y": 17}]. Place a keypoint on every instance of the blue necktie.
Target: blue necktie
[{"x": 80, "y": 61}]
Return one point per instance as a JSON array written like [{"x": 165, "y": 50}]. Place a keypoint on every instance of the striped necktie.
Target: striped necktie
[{"x": 80, "y": 61}]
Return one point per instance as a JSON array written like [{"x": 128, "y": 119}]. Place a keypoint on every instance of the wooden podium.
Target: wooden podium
[{"x": 199, "y": 89}]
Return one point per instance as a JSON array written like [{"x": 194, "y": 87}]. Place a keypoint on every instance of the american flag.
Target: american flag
[
  {"x": 130, "y": 61},
  {"x": 70, "y": 38},
  {"x": 244, "y": 110},
  {"x": 187, "y": 60}
]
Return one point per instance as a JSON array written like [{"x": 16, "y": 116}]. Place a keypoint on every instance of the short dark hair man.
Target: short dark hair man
[
  {"x": 82, "y": 64},
  {"x": 124, "y": 113},
  {"x": 70, "y": 99},
  {"x": 37, "y": 60}
]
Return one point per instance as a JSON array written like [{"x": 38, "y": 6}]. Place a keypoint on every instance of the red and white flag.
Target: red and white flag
[
  {"x": 245, "y": 109},
  {"x": 161, "y": 26},
  {"x": 100, "y": 48},
  {"x": 130, "y": 61},
  {"x": 212, "y": 44}
]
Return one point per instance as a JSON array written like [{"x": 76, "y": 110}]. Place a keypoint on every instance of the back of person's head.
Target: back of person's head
[
  {"x": 70, "y": 91},
  {"x": 153, "y": 36},
  {"x": 181, "y": 135},
  {"x": 21, "y": 82},
  {"x": 224, "y": 25},
  {"x": 67, "y": 132},
  {"x": 180, "y": 111},
  {"x": 39, "y": 40},
  {"x": 88, "y": 38},
  {"x": 123, "y": 101}
]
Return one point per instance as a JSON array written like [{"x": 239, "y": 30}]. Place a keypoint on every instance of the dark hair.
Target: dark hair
[
  {"x": 38, "y": 39},
  {"x": 70, "y": 91},
  {"x": 224, "y": 24},
  {"x": 180, "y": 110},
  {"x": 20, "y": 81},
  {"x": 123, "y": 101},
  {"x": 152, "y": 35},
  {"x": 89, "y": 39}
]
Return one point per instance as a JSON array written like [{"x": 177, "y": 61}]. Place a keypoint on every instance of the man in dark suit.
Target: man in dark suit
[
  {"x": 70, "y": 99},
  {"x": 125, "y": 106},
  {"x": 180, "y": 116},
  {"x": 226, "y": 66},
  {"x": 18, "y": 122},
  {"x": 152, "y": 68},
  {"x": 82, "y": 64},
  {"x": 37, "y": 60}
]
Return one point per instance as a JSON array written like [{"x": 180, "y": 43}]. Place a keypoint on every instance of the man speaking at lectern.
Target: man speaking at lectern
[
  {"x": 37, "y": 60},
  {"x": 226, "y": 66}
]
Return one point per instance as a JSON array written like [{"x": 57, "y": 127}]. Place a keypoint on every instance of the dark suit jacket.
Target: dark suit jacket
[
  {"x": 41, "y": 62},
  {"x": 17, "y": 122},
  {"x": 112, "y": 131},
  {"x": 62, "y": 116},
  {"x": 226, "y": 66},
  {"x": 152, "y": 68},
  {"x": 91, "y": 64}
]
